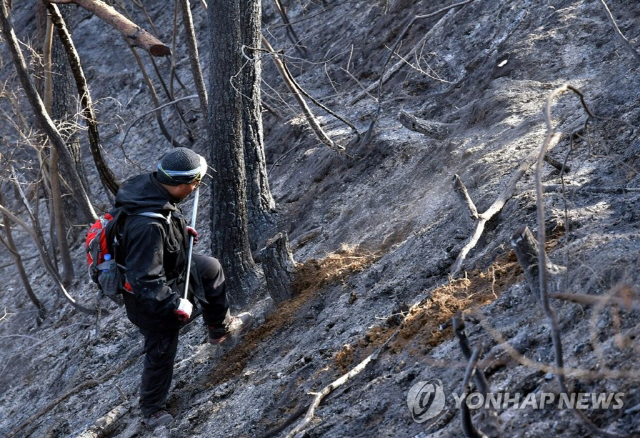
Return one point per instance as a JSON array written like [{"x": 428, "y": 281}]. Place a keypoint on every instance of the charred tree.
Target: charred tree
[
  {"x": 260, "y": 203},
  {"x": 41, "y": 115},
  {"x": 230, "y": 236}
]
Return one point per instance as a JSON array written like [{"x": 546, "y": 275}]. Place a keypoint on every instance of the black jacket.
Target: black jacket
[{"x": 153, "y": 251}]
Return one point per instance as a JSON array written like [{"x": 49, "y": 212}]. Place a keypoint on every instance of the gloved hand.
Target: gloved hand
[
  {"x": 183, "y": 312},
  {"x": 193, "y": 233}
]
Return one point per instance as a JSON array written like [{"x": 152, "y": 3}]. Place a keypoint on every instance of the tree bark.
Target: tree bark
[
  {"x": 279, "y": 267},
  {"x": 63, "y": 108},
  {"x": 58, "y": 218},
  {"x": 41, "y": 115},
  {"x": 260, "y": 203},
  {"x": 60, "y": 213},
  {"x": 230, "y": 238}
]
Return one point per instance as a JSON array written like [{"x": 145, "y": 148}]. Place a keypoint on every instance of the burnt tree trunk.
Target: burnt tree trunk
[
  {"x": 279, "y": 267},
  {"x": 230, "y": 237},
  {"x": 109, "y": 180},
  {"x": 63, "y": 108},
  {"x": 260, "y": 203},
  {"x": 59, "y": 215}
]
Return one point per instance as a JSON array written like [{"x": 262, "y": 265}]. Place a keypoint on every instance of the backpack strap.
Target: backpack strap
[{"x": 167, "y": 219}]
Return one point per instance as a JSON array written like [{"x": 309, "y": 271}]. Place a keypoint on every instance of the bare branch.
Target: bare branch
[
  {"x": 374, "y": 121},
  {"x": 47, "y": 262},
  {"x": 337, "y": 383},
  {"x": 596, "y": 300},
  {"x": 194, "y": 58},
  {"x": 41, "y": 115},
  {"x": 480, "y": 378},
  {"x": 131, "y": 32},
  {"x": 291, "y": 33},
  {"x": 622, "y": 38},
  {"x": 463, "y": 194},
  {"x": 11, "y": 246},
  {"x": 465, "y": 416},
  {"x": 193, "y": 96},
  {"x": 313, "y": 123},
  {"x": 154, "y": 97},
  {"x": 107, "y": 177},
  {"x": 550, "y": 312}
]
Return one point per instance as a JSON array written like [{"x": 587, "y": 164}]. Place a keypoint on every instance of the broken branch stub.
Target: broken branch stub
[
  {"x": 279, "y": 267},
  {"x": 134, "y": 34},
  {"x": 525, "y": 246}
]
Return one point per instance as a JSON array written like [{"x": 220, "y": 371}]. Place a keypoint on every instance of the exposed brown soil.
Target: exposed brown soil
[{"x": 310, "y": 277}]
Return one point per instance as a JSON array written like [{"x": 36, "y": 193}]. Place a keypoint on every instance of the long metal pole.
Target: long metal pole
[{"x": 194, "y": 214}]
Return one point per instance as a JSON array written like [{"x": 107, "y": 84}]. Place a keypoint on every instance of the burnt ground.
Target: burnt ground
[{"x": 386, "y": 226}]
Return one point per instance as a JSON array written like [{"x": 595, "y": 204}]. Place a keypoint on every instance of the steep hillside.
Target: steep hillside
[{"x": 376, "y": 229}]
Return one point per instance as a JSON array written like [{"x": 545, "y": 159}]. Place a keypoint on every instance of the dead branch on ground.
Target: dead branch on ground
[
  {"x": 319, "y": 396},
  {"x": 550, "y": 312},
  {"x": 435, "y": 130},
  {"x": 313, "y": 123},
  {"x": 493, "y": 209},
  {"x": 382, "y": 79},
  {"x": 106, "y": 425},
  {"x": 5, "y": 314},
  {"x": 131, "y": 32}
]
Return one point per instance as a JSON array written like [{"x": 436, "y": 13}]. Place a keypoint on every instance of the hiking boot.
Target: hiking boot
[
  {"x": 237, "y": 325},
  {"x": 160, "y": 418}
]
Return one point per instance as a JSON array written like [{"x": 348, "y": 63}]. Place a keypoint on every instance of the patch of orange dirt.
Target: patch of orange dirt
[
  {"x": 421, "y": 329},
  {"x": 310, "y": 277}
]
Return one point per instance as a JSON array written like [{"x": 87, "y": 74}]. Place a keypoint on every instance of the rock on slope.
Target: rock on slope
[{"x": 391, "y": 228}]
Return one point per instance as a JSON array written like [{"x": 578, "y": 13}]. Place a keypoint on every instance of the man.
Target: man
[{"x": 154, "y": 252}]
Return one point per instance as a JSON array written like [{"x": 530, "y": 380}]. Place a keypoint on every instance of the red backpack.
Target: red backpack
[{"x": 101, "y": 246}]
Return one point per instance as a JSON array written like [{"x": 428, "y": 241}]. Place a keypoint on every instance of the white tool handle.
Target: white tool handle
[{"x": 194, "y": 214}]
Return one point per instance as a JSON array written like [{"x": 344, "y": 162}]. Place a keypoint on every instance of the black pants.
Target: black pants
[{"x": 160, "y": 347}]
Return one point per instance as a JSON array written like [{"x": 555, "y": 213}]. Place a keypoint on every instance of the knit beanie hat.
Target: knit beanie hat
[{"x": 181, "y": 166}]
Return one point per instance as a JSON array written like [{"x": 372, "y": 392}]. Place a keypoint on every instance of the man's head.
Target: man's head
[{"x": 180, "y": 171}]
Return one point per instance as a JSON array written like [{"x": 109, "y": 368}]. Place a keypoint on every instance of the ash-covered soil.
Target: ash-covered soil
[{"x": 375, "y": 229}]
